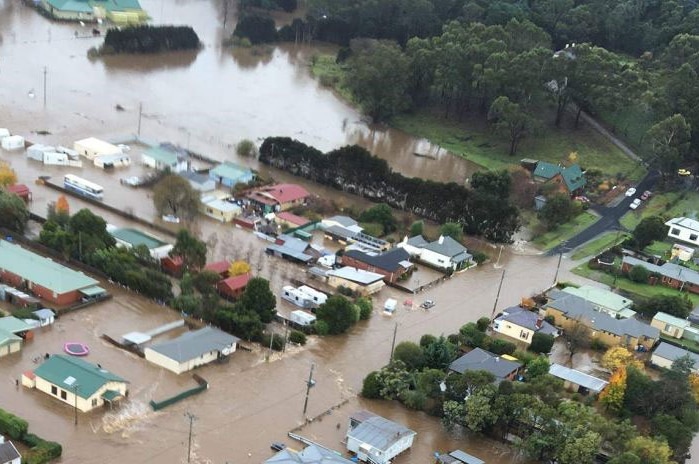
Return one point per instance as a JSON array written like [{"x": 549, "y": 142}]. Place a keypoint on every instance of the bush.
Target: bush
[
  {"x": 413, "y": 399},
  {"x": 297, "y": 337},
  {"x": 150, "y": 39},
  {"x": 427, "y": 339},
  {"x": 410, "y": 354},
  {"x": 541, "y": 343},
  {"x": 639, "y": 274},
  {"x": 12, "y": 426},
  {"x": 479, "y": 257},
  {"x": 371, "y": 387},
  {"x": 598, "y": 345},
  {"x": 276, "y": 340},
  {"x": 499, "y": 346},
  {"x": 321, "y": 327},
  {"x": 365, "y": 308},
  {"x": 483, "y": 323},
  {"x": 246, "y": 149},
  {"x": 257, "y": 28}
]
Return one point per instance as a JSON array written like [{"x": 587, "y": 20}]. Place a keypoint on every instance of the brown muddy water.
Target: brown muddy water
[{"x": 208, "y": 102}]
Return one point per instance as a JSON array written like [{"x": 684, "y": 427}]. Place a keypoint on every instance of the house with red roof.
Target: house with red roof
[
  {"x": 291, "y": 220},
  {"x": 278, "y": 197},
  {"x": 21, "y": 191},
  {"x": 219, "y": 267},
  {"x": 233, "y": 287}
]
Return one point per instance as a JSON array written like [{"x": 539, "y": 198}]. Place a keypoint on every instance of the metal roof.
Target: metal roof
[
  {"x": 344, "y": 221},
  {"x": 672, "y": 320},
  {"x": 44, "y": 313},
  {"x": 356, "y": 275},
  {"x": 165, "y": 154},
  {"x": 135, "y": 237},
  {"x": 601, "y": 297},
  {"x": 389, "y": 261},
  {"x": 136, "y": 338},
  {"x": 8, "y": 337},
  {"x": 231, "y": 171},
  {"x": 379, "y": 432},
  {"x": 527, "y": 319},
  {"x": 482, "y": 360},
  {"x": 41, "y": 271},
  {"x": 193, "y": 344},
  {"x": 447, "y": 246},
  {"x": 687, "y": 223},
  {"x": 673, "y": 271},
  {"x": 8, "y": 452},
  {"x": 672, "y": 352},
  {"x": 13, "y": 325},
  {"x": 458, "y": 457},
  {"x": 66, "y": 372},
  {"x": 312, "y": 454},
  {"x": 577, "y": 377}
]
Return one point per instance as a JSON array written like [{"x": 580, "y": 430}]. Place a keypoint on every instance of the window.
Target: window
[
  {"x": 668, "y": 327},
  {"x": 54, "y": 390},
  {"x": 523, "y": 334},
  {"x": 94, "y": 402},
  {"x": 64, "y": 395},
  {"x": 693, "y": 237},
  {"x": 675, "y": 231}
]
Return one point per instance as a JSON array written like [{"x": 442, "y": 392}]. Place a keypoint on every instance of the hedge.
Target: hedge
[{"x": 41, "y": 451}]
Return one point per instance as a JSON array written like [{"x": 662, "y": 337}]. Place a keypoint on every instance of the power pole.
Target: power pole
[
  {"x": 45, "y": 72},
  {"x": 555, "y": 277},
  {"x": 191, "y": 418},
  {"x": 75, "y": 394},
  {"x": 497, "y": 296},
  {"x": 140, "y": 113},
  {"x": 309, "y": 385},
  {"x": 393, "y": 343}
]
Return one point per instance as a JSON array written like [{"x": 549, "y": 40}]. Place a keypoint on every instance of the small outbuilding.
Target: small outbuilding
[
  {"x": 199, "y": 182},
  {"x": 233, "y": 287},
  {"x": 375, "y": 439},
  {"x": 665, "y": 354},
  {"x": 92, "y": 147},
  {"x": 578, "y": 382},
  {"x": 230, "y": 174},
  {"x": 458, "y": 457},
  {"x": 166, "y": 156},
  {"x": 131, "y": 238},
  {"x": 13, "y": 142},
  {"x": 45, "y": 316},
  {"x": 223, "y": 209},
  {"x": 670, "y": 325},
  {"x": 9, "y": 343}
]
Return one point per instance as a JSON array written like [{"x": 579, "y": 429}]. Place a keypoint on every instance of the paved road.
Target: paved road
[{"x": 609, "y": 217}]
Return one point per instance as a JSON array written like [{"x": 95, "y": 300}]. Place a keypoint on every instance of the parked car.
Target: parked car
[
  {"x": 171, "y": 218},
  {"x": 646, "y": 195},
  {"x": 630, "y": 192},
  {"x": 635, "y": 204},
  {"x": 683, "y": 172},
  {"x": 132, "y": 181},
  {"x": 427, "y": 304},
  {"x": 277, "y": 446}
]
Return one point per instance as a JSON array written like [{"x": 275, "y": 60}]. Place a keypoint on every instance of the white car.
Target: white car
[
  {"x": 630, "y": 192},
  {"x": 635, "y": 204},
  {"x": 171, "y": 218}
]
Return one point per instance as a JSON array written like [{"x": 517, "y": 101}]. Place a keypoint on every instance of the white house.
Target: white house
[
  {"x": 192, "y": 349},
  {"x": 521, "y": 324},
  {"x": 166, "y": 156},
  {"x": 8, "y": 452},
  {"x": 445, "y": 253},
  {"x": 91, "y": 148},
  {"x": 376, "y": 439},
  {"x": 684, "y": 229}
]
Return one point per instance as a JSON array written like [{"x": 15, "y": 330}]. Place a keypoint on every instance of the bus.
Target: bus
[{"x": 82, "y": 186}]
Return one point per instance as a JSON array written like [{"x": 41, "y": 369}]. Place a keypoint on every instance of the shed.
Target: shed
[
  {"x": 9, "y": 343},
  {"x": 458, "y": 457},
  {"x": 13, "y": 142},
  {"x": 376, "y": 439},
  {"x": 45, "y": 316},
  {"x": 230, "y": 174},
  {"x": 219, "y": 267},
  {"x": 199, "y": 182},
  {"x": 21, "y": 191},
  {"x": 233, "y": 287},
  {"x": 576, "y": 380},
  {"x": 117, "y": 160},
  {"x": 92, "y": 147},
  {"x": 669, "y": 324}
]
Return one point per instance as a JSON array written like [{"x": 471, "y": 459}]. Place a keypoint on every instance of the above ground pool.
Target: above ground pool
[{"x": 76, "y": 348}]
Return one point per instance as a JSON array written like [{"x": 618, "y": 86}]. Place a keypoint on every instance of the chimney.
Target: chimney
[
  {"x": 497, "y": 358},
  {"x": 441, "y": 239},
  {"x": 539, "y": 322}
]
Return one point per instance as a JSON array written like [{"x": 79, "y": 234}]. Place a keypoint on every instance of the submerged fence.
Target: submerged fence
[{"x": 203, "y": 385}]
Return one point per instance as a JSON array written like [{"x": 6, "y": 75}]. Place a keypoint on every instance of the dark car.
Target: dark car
[
  {"x": 427, "y": 304},
  {"x": 277, "y": 446}
]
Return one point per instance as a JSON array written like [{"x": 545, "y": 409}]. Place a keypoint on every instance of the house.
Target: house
[
  {"x": 230, "y": 174},
  {"x": 219, "y": 267},
  {"x": 220, "y": 207},
  {"x": 681, "y": 252},
  {"x": 91, "y": 147},
  {"x": 391, "y": 264},
  {"x": 122, "y": 12},
  {"x": 192, "y": 349},
  {"x": 576, "y": 381},
  {"x": 166, "y": 156},
  {"x": 344, "y": 222},
  {"x": 357, "y": 280},
  {"x": 458, "y": 457},
  {"x": 665, "y": 354},
  {"x": 131, "y": 238},
  {"x": 45, "y": 316},
  {"x": 481, "y": 360},
  {"x": 76, "y": 382},
  {"x": 21, "y": 191},
  {"x": 16, "y": 327},
  {"x": 9, "y": 343},
  {"x": 569, "y": 179},
  {"x": 445, "y": 253},
  {"x": 233, "y": 287},
  {"x": 312, "y": 454},
  {"x": 293, "y": 249},
  {"x": 345, "y": 230},
  {"x": 117, "y": 160},
  {"x": 569, "y": 310},
  {"x": 521, "y": 324},
  {"x": 376, "y": 439},
  {"x": 8, "y": 452},
  {"x": 279, "y": 197},
  {"x": 671, "y": 275},
  {"x": 199, "y": 182},
  {"x": 683, "y": 229},
  {"x": 604, "y": 300},
  {"x": 292, "y": 221},
  {"x": 670, "y": 325}
]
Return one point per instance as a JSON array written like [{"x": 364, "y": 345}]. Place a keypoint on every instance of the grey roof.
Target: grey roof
[
  {"x": 193, "y": 344},
  {"x": 672, "y": 352},
  {"x": 388, "y": 261},
  {"x": 379, "y": 432},
  {"x": 687, "y": 223},
  {"x": 344, "y": 221},
  {"x": 44, "y": 313},
  {"x": 340, "y": 231},
  {"x": 527, "y": 319},
  {"x": 290, "y": 251},
  {"x": 673, "y": 271},
  {"x": 482, "y": 360},
  {"x": 356, "y": 275},
  {"x": 575, "y": 307},
  {"x": 312, "y": 454},
  {"x": 417, "y": 241},
  {"x": 8, "y": 452},
  {"x": 577, "y": 377},
  {"x": 458, "y": 457},
  {"x": 448, "y": 247}
]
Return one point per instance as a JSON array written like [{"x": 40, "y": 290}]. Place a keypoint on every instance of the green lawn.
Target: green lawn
[
  {"x": 329, "y": 73},
  {"x": 598, "y": 245},
  {"x": 667, "y": 205},
  {"x": 633, "y": 288},
  {"x": 565, "y": 231},
  {"x": 661, "y": 249}
]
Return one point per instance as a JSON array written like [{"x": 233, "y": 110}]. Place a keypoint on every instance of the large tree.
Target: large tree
[
  {"x": 13, "y": 212},
  {"x": 174, "y": 195},
  {"x": 511, "y": 119},
  {"x": 558, "y": 210},
  {"x": 190, "y": 249},
  {"x": 649, "y": 230},
  {"x": 259, "y": 299},
  {"x": 669, "y": 139},
  {"x": 338, "y": 313}
]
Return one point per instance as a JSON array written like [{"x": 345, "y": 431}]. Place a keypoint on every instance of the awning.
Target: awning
[
  {"x": 93, "y": 291},
  {"x": 111, "y": 395}
]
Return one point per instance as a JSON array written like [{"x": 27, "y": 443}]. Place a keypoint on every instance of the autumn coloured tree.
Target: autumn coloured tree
[
  {"x": 62, "y": 206},
  {"x": 619, "y": 356},
  {"x": 613, "y": 396},
  {"x": 7, "y": 175},
  {"x": 238, "y": 268}
]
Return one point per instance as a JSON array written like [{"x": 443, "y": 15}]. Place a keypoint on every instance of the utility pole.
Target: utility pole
[
  {"x": 75, "y": 394},
  {"x": 309, "y": 385},
  {"x": 191, "y": 418},
  {"x": 555, "y": 277},
  {"x": 286, "y": 333},
  {"x": 497, "y": 296},
  {"x": 393, "y": 343},
  {"x": 45, "y": 71},
  {"x": 140, "y": 113}
]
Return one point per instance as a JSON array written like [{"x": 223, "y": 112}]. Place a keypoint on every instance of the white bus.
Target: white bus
[{"x": 83, "y": 187}]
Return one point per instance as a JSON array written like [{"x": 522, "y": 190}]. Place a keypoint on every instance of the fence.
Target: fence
[{"x": 203, "y": 385}]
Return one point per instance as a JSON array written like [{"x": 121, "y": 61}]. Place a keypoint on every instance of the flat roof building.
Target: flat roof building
[{"x": 192, "y": 349}]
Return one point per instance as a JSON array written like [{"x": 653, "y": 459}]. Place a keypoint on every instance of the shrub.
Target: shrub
[
  {"x": 12, "y": 425},
  {"x": 541, "y": 343},
  {"x": 413, "y": 399},
  {"x": 365, "y": 308},
  {"x": 479, "y": 257},
  {"x": 246, "y": 148},
  {"x": 483, "y": 323},
  {"x": 297, "y": 337},
  {"x": 499, "y": 346},
  {"x": 639, "y": 274},
  {"x": 276, "y": 341},
  {"x": 321, "y": 327},
  {"x": 427, "y": 339},
  {"x": 411, "y": 354},
  {"x": 598, "y": 345},
  {"x": 371, "y": 387}
]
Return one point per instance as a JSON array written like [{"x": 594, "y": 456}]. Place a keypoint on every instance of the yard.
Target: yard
[
  {"x": 667, "y": 205},
  {"x": 563, "y": 232},
  {"x": 598, "y": 245},
  {"x": 691, "y": 345}
]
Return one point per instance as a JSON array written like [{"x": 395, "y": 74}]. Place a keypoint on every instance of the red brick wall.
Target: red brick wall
[
  {"x": 61, "y": 299},
  {"x": 387, "y": 276},
  {"x": 10, "y": 278}
]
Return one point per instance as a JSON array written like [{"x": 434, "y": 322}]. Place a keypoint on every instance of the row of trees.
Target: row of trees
[
  {"x": 484, "y": 210},
  {"x": 150, "y": 39}
]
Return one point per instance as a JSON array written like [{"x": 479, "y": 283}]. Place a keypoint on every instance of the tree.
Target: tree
[
  {"x": 411, "y": 354},
  {"x": 238, "y": 268},
  {"x": 440, "y": 354},
  {"x": 496, "y": 183},
  {"x": 558, "y": 210},
  {"x": 89, "y": 233},
  {"x": 365, "y": 307},
  {"x": 523, "y": 189},
  {"x": 371, "y": 387},
  {"x": 669, "y": 140},
  {"x": 259, "y": 299},
  {"x": 339, "y": 313},
  {"x": 649, "y": 230},
  {"x": 479, "y": 413},
  {"x": 678, "y": 435},
  {"x": 613, "y": 395},
  {"x": 619, "y": 356},
  {"x": 377, "y": 76},
  {"x": 639, "y": 274},
  {"x": 577, "y": 337},
  {"x": 580, "y": 449},
  {"x": 190, "y": 249},
  {"x": 625, "y": 458},
  {"x": 499, "y": 346},
  {"x": 394, "y": 379},
  {"x": 246, "y": 149},
  {"x": 61, "y": 206},
  {"x": 13, "y": 212},
  {"x": 380, "y": 214},
  {"x": 429, "y": 381},
  {"x": 7, "y": 175},
  {"x": 416, "y": 228},
  {"x": 538, "y": 367},
  {"x": 675, "y": 305},
  {"x": 509, "y": 118},
  {"x": 174, "y": 195},
  {"x": 650, "y": 450},
  {"x": 541, "y": 343},
  {"x": 453, "y": 230},
  {"x": 258, "y": 28},
  {"x": 483, "y": 323}
]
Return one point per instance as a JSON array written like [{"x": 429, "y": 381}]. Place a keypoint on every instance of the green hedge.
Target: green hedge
[
  {"x": 41, "y": 451},
  {"x": 12, "y": 426}
]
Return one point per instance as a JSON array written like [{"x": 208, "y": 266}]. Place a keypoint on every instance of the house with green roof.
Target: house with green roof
[
  {"x": 670, "y": 325},
  {"x": 44, "y": 277},
  {"x": 9, "y": 343},
  {"x": 74, "y": 381},
  {"x": 122, "y": 12},
  {"x": 229, "y": 174},
  {"x": 166, "y": 156},
  {"x": 569, "y": 178},
  {"x": 606, "y": 301},
  {"x": 131, "y": 238}
]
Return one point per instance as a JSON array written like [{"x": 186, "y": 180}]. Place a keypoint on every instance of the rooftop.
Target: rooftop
[
  {"x": 135, "y": 237},
  {"x": 7, "y": 338},
  {"x": 527, "y": 319},
  {"x": 344, "y": 221},
  {"x": 378, "y": 432},
  {"x": 293, "y": 218},
  {"x": 687, "y": 223},
  {"x": 459, "y": 457},
  {"x": 672, "y": 352},
  {"x": 236, "y": 282},
  {"x": 579, "y": 378},
  {"x": 219, "y": 267},
  {"x": 8, "y": 452},
  {"x": 68, "y": 372},
  {"x": 482, "y": 360},
  {"x": 673, "y": 271},
  {"x": 193, "y": 344},
  {"x": 13, "y": 325},
  {"x": 672, "y": 320},
  {"x": 447, "y": 246},
  {"x": 42, "y": 271},
  {"x": 279, "y": 193},
  {"x": 231, "y": 171},
  {"x": 312, "y": 454},
  {"x": 572, "y": 175},
  {"x": 166, "y": 154},
  {"x": 601, "y": 297},
  {"x": 356, "y": 275},
  {"x": 390, "y": 261}
]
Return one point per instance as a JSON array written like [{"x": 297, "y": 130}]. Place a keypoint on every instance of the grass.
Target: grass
[
  {"x": 661, "y": 249},
  {"x": 630, "y": 123},
  {"x": 630, "y": 287},
  {"x": 598, "y": 245},
  {"x": 473, "y": 139},
  {"x": 667, "y": 205},
  {"x": 691, "y": 345},
  {"x": 565, "y": 231}
]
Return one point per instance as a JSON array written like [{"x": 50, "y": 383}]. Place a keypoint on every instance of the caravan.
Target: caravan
[{"x": 304, "y": 297}]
